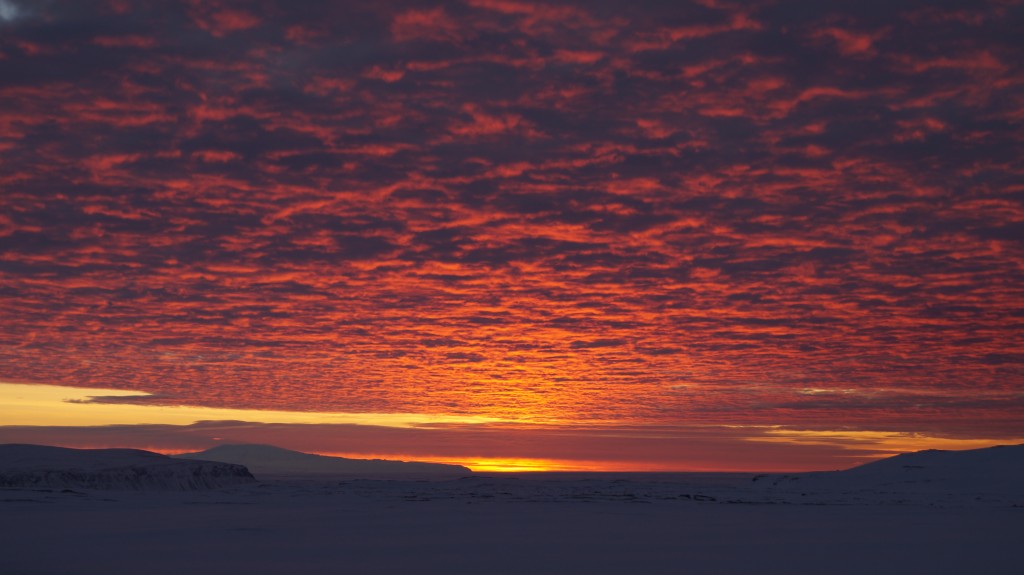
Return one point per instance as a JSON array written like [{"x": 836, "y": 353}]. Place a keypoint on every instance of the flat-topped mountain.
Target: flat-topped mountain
[
  {"x": 271, "y": 461},
  {"x": 44, "y": 466}
]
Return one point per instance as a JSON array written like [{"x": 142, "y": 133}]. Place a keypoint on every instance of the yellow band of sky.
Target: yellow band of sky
[{"x": 55, "y": 405}]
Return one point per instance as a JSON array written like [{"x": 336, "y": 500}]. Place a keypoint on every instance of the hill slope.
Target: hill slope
[
  {"x": 268, "y": 460},
  {"x": 992, "y": 470},
  {"x": 44, "y": 466}
]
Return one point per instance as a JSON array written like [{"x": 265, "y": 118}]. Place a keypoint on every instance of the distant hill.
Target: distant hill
[
  {"x": 44, "y": 466},
  {"x": 991, "y": 469},
  {"x": 998, "y": 459},
  {"x": 271, "y": 461}
]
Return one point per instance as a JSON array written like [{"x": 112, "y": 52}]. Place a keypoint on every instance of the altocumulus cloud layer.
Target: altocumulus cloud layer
[{"x": 805, "y": 213}]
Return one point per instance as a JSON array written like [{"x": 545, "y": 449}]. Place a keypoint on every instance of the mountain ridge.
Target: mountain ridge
[
  {"x": 46, "y": 466},
  {"x": 997, "y": 469},
  {"x": 273, "y": 461}
]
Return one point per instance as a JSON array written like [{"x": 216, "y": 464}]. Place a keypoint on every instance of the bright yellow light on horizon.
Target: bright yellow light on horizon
[
  {"x": 56, "y": 405},
  {"x": 507, "y": 465},
  {"x": 502, "y": 464}
]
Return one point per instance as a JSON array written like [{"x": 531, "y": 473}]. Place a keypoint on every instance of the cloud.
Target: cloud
[
  {"x": 9, "y": 11},
  {"x": 534, "y": 213}
]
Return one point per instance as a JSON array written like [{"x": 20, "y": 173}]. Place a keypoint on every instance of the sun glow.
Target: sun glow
[
  {"x": 512, "y": 464},
  {"x": 520, "y": 465},
  {"x": 507, "y": 465}
]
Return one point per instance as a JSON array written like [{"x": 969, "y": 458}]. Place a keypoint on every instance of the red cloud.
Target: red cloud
[
  {"x": 851, "y": 43},
  {"x": 219, "y": 19},
  {"x": 719, "y": 213},
  {"x": 432, "y": 24}
]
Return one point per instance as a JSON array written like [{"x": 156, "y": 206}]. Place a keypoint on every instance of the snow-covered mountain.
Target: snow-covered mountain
[
  {"x": 44, "y": 466},
  {"x": 998, "y": 469},
  {"x": 271, "y": 461}
]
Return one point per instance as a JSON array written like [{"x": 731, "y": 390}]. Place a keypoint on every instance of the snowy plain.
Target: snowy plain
[{"x": 898, "y": 521}]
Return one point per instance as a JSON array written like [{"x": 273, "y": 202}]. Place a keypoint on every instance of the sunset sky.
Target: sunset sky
[{"x": 647, "y": 235}]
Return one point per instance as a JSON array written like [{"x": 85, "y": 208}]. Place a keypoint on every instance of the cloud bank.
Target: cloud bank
[{"x": 564, "y": 213}]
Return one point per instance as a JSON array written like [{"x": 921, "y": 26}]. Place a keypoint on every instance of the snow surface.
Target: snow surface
[
  {"x": 594, "y": 523},
  {"x": 268, "y": 461},
  {"x": 117, "y": 469}
]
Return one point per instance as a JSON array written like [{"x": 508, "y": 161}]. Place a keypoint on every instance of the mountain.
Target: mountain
[
  {"x": 998, "y": 469},
  {"x": 990, "y": 467},
  {"x": 44, "y": 466},
  {"x": 271, "y": 461}
]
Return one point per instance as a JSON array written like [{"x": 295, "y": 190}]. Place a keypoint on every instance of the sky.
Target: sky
[{"x": 604, "y": 235}]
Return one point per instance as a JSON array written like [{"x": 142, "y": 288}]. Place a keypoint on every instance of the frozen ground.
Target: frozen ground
[
  {"x": 566, "y": 523},
  {"x": 928, "y": 513}
]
